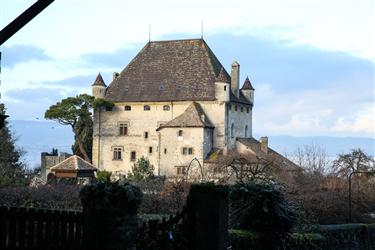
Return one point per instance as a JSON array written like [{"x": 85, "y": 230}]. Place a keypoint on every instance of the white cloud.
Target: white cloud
[{"x": 71, "y": 28}]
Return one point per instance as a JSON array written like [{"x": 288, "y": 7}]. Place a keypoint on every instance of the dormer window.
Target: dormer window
[
  {"x": 166, "y": 107},
  {"x": 161, "y": 87},
  {"x": 146, "y": 108}
]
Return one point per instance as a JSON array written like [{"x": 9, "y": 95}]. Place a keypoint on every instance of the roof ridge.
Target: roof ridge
[{"x": 60, "y": 163}]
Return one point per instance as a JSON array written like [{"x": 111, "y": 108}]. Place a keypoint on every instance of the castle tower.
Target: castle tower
[
  {"x": 248, "y": 90},
  {"x": 99, "y": 87},
  {"x": 222, "y": 86}
]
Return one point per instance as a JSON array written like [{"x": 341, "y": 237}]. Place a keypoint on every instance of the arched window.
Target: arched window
[
  {"x": 246, "y": 131},
  {"x": 146, "y": 108},
  {"x": 232, "y": 131},
  {"x": 166, "y": 108}
]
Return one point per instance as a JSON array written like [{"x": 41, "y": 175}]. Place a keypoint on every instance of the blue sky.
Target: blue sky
[{"x": 311, "y": 62}]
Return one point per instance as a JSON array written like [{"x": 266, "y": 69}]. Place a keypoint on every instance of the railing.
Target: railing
[{"x": 30, "y": 228}]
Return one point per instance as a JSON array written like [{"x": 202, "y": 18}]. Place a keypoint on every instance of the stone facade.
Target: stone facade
[
  {"x": 49, "y": 160},
  {"x": 169, "y": 133}
]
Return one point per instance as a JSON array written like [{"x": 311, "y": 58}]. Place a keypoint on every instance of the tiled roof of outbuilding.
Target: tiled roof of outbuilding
[
  {"x": 178, "y": 70},
  {"x": 73, "y": 163},
  {"x": 193, "y": 116}
]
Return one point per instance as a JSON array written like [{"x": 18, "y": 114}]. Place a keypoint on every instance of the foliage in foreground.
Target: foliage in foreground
[
  {"x": 12, "y": 169},
  {"x": 142, "y": 170},
  {"x": 260, "y": 206}
]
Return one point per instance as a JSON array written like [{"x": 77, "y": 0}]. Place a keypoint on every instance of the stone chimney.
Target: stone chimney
[
  {"x": 264, "y": 144},
  {"x": 115, "y": 75},
  {"x": 235, "y": 78}
]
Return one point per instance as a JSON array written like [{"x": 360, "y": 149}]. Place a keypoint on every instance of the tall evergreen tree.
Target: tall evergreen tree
[
  {"x": 85, "y": 131},
  {"x": 12, "y": 169}
]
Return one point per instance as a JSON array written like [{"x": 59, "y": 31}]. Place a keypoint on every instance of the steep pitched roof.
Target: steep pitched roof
[
  {"x": 193, "y": 116},
  {"x": 73, "y": 163},
  {"x": 222, "y": 77},
  {"x": 247, "y": 84},
  {"x": 99, "y": 81},
  {"x": 178, "y": 70}
]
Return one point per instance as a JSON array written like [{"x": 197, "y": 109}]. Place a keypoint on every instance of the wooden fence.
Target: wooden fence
[{"x": 30, "y": 228}]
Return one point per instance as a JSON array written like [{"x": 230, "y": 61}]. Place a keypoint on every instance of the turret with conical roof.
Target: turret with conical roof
[
  {"x": 222, "y": 86},
  {"x": 248, "y": 90},
  {"x": 99, "y": 87}
]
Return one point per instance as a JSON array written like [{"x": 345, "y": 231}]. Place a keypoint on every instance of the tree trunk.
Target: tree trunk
[{"x": 81, "y": 147}]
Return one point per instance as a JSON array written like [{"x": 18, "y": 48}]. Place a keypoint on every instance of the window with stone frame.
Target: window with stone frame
[
  {"x": 180, "y": 170},
  {"x": 187, "y": 151},
  {"x": 123, "y": 129},
  {"x": 180, "y": 133},
  {"x": 133, "y": 156},
  {"x": 128, "y": 108},
  {"x": 117, "y": 153},
  {"x": 150, "y": 150},
  {"x": 166, "y": 107},
  {"x": 146, "y": 108}
]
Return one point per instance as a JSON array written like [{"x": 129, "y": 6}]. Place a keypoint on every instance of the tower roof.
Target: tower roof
[
  {"x": 247, "y": 85},
  {"x": 177, "y": 70},
  {"x": 193, "y": 116},
  {"x": 99, "y": 81},
  {"x": 223, "y": 76}
]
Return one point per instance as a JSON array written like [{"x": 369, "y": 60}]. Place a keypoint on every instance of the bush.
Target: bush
[
  {"x": 103, "y": 176},
  {"x": 113, "y": 194},
  {"x": 260, "y": 206}
]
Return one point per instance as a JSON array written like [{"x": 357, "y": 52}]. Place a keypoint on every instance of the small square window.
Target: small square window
[
  {"x": 166, "y": 108},
  {"x": 128, "y": 108},
  {"x": 180, "y": 133},
  {"x": 146, "y": 108},
  {"x": 133, "y": 156},
  {"x": 184, "y": 151},
  {"x": 150, "y": 150},
  {"x": 146, "y": 135},
  {"x": 108, "y": 108}
]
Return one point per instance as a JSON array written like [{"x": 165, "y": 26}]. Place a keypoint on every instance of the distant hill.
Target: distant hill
[{"x": 41, "y": 136}]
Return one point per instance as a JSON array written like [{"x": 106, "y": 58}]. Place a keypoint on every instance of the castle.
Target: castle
[{"x": 172, "y": 103}]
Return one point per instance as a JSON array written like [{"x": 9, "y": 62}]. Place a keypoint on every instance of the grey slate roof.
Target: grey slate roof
[
  {"x": 178, "y": 70},
  {"x": 193, "y": 116},
  {"x": 99, "y": 81},
  {"x": 73, "y": 163},
  {"x": 247, "y": 84}
]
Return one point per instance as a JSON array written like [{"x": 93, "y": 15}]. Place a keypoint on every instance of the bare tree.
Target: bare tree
[
  {"x": 313, "y": 159},
  {"x": 356, "y": 160}
]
